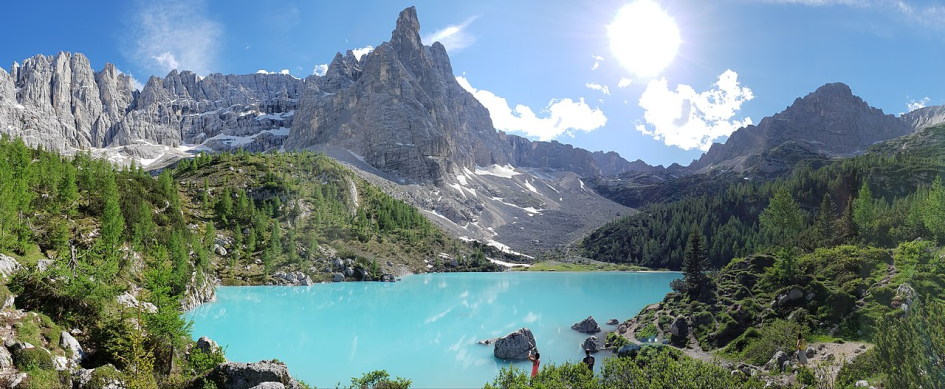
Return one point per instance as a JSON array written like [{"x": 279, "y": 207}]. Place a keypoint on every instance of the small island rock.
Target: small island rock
[
  {"x": 590, "y": 344},
  {"x": 588, "y": 326},
  {"x": 516, "y": 345}
]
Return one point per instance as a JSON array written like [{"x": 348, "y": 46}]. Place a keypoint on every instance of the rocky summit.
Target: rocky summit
[{"x": 831, "y": 121}]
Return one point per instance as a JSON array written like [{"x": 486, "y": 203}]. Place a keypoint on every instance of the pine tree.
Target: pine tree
[
  {"x": 933, "y": 214},
  {"x": 824, "y": 222},
  {"x": 68, "y": 190},
  {"x": 113, "y": 224},
  {"x": 782, "y": 219},
  {"x": 846, "y": 230},
  {"x": 144, "y": 228},
  {"x": 694, "y": 262},
  {"x": 865, "y": 213}
]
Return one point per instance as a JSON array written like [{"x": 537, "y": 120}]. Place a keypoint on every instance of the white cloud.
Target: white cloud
[
  {"x": 264, "y": 71},
  {"x": 320, "y": 70},
  {"x": 691, "y": 120},
  {"x": 175, "y": 34},
  {"x": 360, "y": 52},
  {"x": 598, "y": 87},
  {"x": 597, "y": 61},
  {"x": 624, "y": 82},
  {"x": 454, "y": 37},
  {"x": 561, "y": 116},
  {"x": 914, "y": 105}
]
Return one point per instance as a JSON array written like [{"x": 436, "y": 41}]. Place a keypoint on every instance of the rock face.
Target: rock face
[
  {"x": 516, "y": 345},
  {"x": 588, "y": 326},
  {"x": 200, "y": 290},
  {"x": 59, "y": 102},
  {"x": 238, "y": 375}
]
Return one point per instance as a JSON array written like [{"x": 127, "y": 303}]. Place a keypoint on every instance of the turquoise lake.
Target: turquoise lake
[{"x": 424, "y": 327}]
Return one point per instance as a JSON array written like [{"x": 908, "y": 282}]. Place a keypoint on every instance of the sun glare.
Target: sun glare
[{"x": 643, "y": 38}]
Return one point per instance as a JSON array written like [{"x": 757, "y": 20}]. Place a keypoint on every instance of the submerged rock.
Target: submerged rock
[{"x": 516, "y": 345}]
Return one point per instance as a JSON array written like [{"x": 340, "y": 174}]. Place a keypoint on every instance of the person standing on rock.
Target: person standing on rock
[
  {"x": 801, "y": 350},
  {"x": 589, "y": 360},
  {"x": 536, "y": 359}
]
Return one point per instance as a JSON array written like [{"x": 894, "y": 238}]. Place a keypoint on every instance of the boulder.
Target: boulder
[
  {"x": 349, "y": 271},
  {"x": 220, "y": 250},
  {"x": 337, "y": 277},
  {"x": 306, "y": 281},
  {"x": 104, "y": 377},
  {"x": 810, "y": 352},
  {"x": 590, "y": 344},
  {"x": 777, "y": 360},
  {"x": 207, "y": 345},
  {"x": 788, "y": 298},
  {"x": 862, "y": 384},
  {"x": 19, "y": 346},
  {"x": 587, "y": 326},
  {"x": 17, "y": 379},
  {"x": 516, "y": 345},
  {"x": 239, "y": 375},
  {"x": 613, "y": 322},
  {"x": 69, "y": 343},
  {"x": 8, "y": 266},
  {"x": 679, "y": 332}
]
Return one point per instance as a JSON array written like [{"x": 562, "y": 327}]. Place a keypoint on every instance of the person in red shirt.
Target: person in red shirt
[{"x": 536, "y": 359}]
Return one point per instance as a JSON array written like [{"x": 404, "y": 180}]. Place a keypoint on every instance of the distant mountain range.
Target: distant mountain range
[{"x": 398, "y": 115}]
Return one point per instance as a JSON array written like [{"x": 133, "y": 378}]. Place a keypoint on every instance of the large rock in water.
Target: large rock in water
[
  {"x": 516, "y": 345},
  {"x": 588, "y": 326},
  {"x": 238, "y": 375},
  {"x": 590, "y": 344}
]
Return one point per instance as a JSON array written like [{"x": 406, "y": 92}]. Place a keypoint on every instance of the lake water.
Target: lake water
[{"x": 425, "y": 327}]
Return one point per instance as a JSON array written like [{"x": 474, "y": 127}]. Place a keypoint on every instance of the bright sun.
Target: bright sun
[{"x": 643, "y": 38}]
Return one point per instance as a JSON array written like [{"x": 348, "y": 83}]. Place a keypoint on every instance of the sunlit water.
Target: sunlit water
[{"x": 425, "y": 327}]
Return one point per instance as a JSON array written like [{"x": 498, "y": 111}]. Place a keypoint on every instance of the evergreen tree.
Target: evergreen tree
[
  {"x": 113, "y": 224},
  {"x": 934, "y": 210},
  {"x": 275, "y": 238},
  {"x": 782, "y": 219},
  {"x": 865, "y": 213},
  {"x": 144, "y": 229},
  {"x": 846, "y": 230},
  {"x": 68, "y": 190},
  {"x": 694, "y": 262},
  {"x": 824, "y": 222}
]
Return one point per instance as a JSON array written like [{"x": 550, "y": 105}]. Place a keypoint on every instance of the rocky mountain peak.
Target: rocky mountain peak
[
  {"x": 407, "y": 31},
  {"x": 830, "y": 121}
]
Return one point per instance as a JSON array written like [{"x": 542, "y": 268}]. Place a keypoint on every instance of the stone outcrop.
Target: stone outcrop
[
  {"x": 207, "y": 345},
  {"x": 239, "y": 375},
  {"x": 516, "y": 345},
  {"x": 790, "y": 297},
  {"x": 200, "y": 290},
  {"x": 294, "y": 278},
  {"x": 130, "y": 301},
  {"x": 8, "y": 266},
  {"x": 588, "y": 326},
  {"x": 777, "y": 361}
]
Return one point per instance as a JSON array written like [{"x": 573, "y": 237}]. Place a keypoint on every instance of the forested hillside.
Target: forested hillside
[{"x": 875, "y": 199}]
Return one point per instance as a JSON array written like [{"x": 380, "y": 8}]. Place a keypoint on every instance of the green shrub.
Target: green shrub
[
  {"x": 774, "y": 336},
  {"x": 46, "y": 379},
  {"x": 861, "y": 367},
  {"x": 379, "y": 379},
  {"x": 202, "y": 362},
  {"x": 615, "y": 341},
  {"x": 33, "y": 358},
  {"x": 806, "y": 376},
  {"x": 103, "y": 376}
]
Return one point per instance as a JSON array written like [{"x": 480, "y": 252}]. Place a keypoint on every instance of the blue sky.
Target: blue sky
[{"x": 541, "y": 66}]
